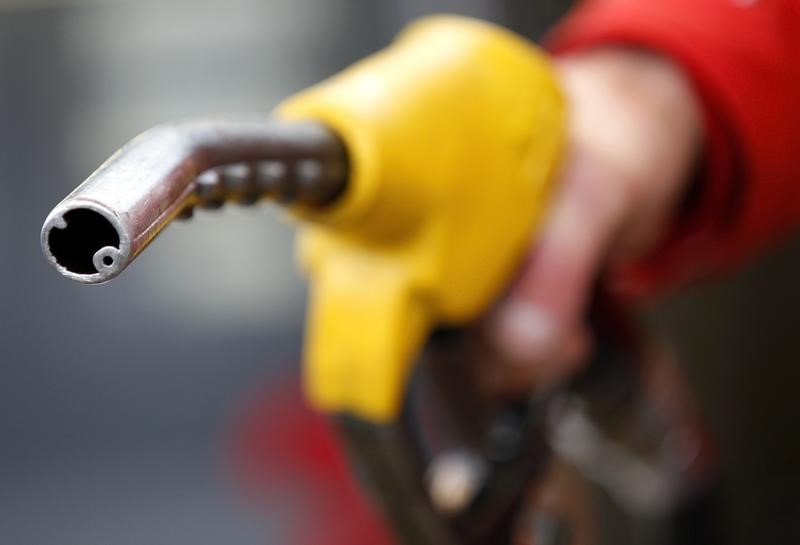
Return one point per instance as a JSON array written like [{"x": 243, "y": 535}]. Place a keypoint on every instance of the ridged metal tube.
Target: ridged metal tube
[{"x": 99, "y": 228}]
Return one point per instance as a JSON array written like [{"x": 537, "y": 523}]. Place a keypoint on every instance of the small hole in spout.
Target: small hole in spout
[
  {"x": 108, "y": 261},
  {"x": 86, "y": 232}
]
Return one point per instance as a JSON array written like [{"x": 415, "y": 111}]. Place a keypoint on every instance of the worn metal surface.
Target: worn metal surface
[{"x": 99, "y": 228}]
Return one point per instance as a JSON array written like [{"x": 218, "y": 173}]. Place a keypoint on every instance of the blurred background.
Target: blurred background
[{"x": 116, "y": 402}]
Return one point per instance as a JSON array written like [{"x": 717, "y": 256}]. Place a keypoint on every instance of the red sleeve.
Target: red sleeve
[{"x": 743, "y": 57}]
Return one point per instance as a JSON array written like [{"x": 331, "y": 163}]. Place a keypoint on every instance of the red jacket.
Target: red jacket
[{"x": 744, "y": 59}]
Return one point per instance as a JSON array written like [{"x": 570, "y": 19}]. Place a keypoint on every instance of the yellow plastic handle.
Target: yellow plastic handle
[{"x": 454, "y": 133}]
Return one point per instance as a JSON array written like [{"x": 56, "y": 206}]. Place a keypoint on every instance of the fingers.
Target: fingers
[
  {"x": 540, "y": 326},
  {"x": 634, "y": 134},
  {"x": 501, "y": 377}
]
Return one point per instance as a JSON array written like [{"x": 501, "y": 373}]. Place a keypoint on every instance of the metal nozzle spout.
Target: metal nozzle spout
[{"x": 99, "y": 228}]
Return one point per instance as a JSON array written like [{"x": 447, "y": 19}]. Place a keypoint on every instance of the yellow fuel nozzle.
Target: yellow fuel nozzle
[{"x": 453, "y": 133}]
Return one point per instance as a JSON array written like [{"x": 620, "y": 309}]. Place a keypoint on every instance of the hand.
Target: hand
[{"x": 634, "y": 135}]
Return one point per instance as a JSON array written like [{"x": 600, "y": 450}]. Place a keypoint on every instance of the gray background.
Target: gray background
[{"x": 116, "y": 401}]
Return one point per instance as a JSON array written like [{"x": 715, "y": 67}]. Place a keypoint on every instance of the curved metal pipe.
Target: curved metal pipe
[{"x": 99, "y": 228}]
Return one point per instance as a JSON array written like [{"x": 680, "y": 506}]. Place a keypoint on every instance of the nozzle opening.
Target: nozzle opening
[{"x": 75, "y": 245}]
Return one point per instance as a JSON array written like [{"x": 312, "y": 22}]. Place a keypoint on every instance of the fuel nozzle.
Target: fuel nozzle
[
  {"x": 420, "y": 172},
  {"x": 167, "y": 171}
]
